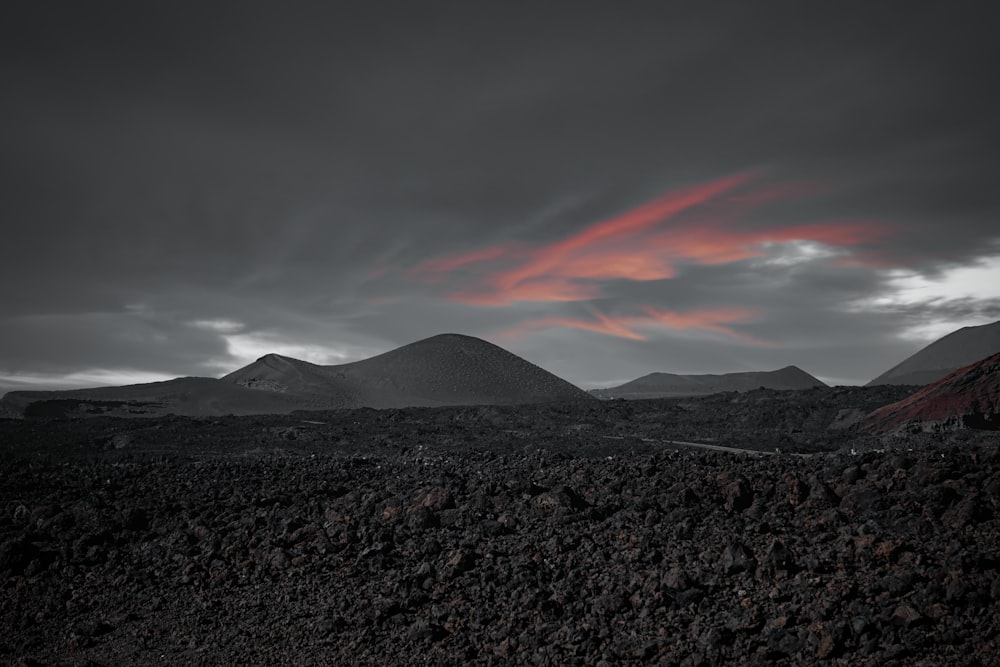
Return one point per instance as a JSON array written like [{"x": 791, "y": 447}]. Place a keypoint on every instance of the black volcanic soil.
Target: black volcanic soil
[{"x": 536, "y": 535}]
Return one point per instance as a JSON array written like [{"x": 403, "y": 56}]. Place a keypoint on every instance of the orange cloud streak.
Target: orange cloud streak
[
  {"x": 603, "y": 324},
  {"x": 705, "y": 319},
  {"x": 708, "y": 319},
  {"x": 607, "y": 249},
  {"x": 636, "y": 246},
  {"x": 433, "y": 270}
]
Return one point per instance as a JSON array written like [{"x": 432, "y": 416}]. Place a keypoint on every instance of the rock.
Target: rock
[
  {"x": 426, "y": 632},
  {"x": 906, "y": 615},
  {"x": 780, "y": 557},
  {"x": 852, "y": 474},
  {"x": 434, "y": 499},
  {"x": 736, "y": 558},
  {"x": 828, "y": 646},
  {"x": 970, "y": 509},
  {"x": 798, "y": 490},
  {"x": 278, "y": 559},
  {"x": 676, "y": 579},
  {"x": 738, "y": 495},
  {"x": 92, "y": 628},
  {"x": 561, "y": 496},
  {"x": 460, "y": 561}
]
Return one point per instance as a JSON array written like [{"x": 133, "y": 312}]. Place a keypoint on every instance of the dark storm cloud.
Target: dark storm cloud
[
  {"x": 285, "y": 170},
  {"x": 103, "y": 340}
]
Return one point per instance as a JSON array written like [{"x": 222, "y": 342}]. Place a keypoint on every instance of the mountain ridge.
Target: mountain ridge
[
  {"x": 447, "y": 369},
  {"x": 967, "y": 398},
  {"x": 936, "y": 360},
  {"x": 665, "y": 385}
]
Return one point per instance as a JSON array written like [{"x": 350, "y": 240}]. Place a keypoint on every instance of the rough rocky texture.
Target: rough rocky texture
[
  {"x": 945, "y": 355},
  {"x": 497, "y": 535},
  {"x": 812, "y": 420},
  {"x": 968, "y": 398},
  {"x": 659, "y": 385}
]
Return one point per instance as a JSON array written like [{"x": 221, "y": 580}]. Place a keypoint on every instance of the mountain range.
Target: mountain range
[
  {"x": 447, "y": 369},
  {"x": 662, "y": 385}
]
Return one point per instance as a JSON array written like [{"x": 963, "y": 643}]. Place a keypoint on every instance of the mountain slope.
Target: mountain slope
[
  {"x": 968, "y": 397},
  {"x": 194, "y": 396},
  {"x": 311, "y": 386},
  {"x": 660, "y": 385},
  {"x": 949, "y": 353},
  {"x": 448, "y": 369}
]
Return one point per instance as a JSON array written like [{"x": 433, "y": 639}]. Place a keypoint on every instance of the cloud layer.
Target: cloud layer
[{"x": 606, "y": 192}]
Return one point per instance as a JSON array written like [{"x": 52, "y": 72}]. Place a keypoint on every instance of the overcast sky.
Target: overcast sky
[{"x": 606, "y": 189}]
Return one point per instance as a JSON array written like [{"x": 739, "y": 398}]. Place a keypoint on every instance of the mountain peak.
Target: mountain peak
[
  {"x": 949, "y": 353},
  {"x": 968, "y": 397},
  {"x": 656, "y": 385},
  {"x": 445, "y": 369}
]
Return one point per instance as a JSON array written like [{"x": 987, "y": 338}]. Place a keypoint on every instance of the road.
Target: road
[{"x": 698, "y": 445}]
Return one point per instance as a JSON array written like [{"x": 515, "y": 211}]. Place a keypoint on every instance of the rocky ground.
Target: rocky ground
[{"x": 548, "y": 535}]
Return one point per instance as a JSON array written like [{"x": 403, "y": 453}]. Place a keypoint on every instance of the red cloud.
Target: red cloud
[
  {"x": 601, "y": 324},
  {"x": 708, "y": 319},
  {"x": 433, "y": 270},
  {"x": 704, "y": 319},
  {"x": 638, "y": 245}
]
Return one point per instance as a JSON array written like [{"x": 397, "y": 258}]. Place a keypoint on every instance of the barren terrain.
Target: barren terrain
[{"x": 546, "y": 534}]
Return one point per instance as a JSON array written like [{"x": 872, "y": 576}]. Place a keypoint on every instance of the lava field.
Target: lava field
[{"x": 545, "y": 535}]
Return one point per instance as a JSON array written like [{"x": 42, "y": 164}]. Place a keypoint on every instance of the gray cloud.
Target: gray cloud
[{"x": 287, "y": 168}]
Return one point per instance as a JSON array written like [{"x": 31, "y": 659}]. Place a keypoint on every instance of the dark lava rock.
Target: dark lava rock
[
  {"x": 738, "y": 495},
  {"x": 496, "y": 535},
  {"x": 737, "y": 557}
]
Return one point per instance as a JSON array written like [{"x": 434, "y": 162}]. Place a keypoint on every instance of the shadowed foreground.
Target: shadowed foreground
[{"x": 474, "y": 545}]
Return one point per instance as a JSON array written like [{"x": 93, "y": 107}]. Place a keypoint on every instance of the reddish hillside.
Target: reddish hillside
[
  {"x": 968, "y": 398},
  {"x": 945, "y": 355}
]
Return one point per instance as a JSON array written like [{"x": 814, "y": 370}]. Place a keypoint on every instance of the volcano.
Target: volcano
[
  {"x": 448, "y": 369},
  {"x": 968, "y": 398},
  {"x": 945, "y": 355}
]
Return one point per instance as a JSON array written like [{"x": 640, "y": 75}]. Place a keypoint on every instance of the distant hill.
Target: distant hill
[
  {"x": 194, "y": 396},
  {"x": 968, "y": 397},
  {"x": 448, "y": 369},
  {"x": 956, "y": 350},
  {"x": 662, "y": 385}
]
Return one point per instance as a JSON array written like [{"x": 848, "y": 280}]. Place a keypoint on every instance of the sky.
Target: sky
[{"x": 605, "y": 188}]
